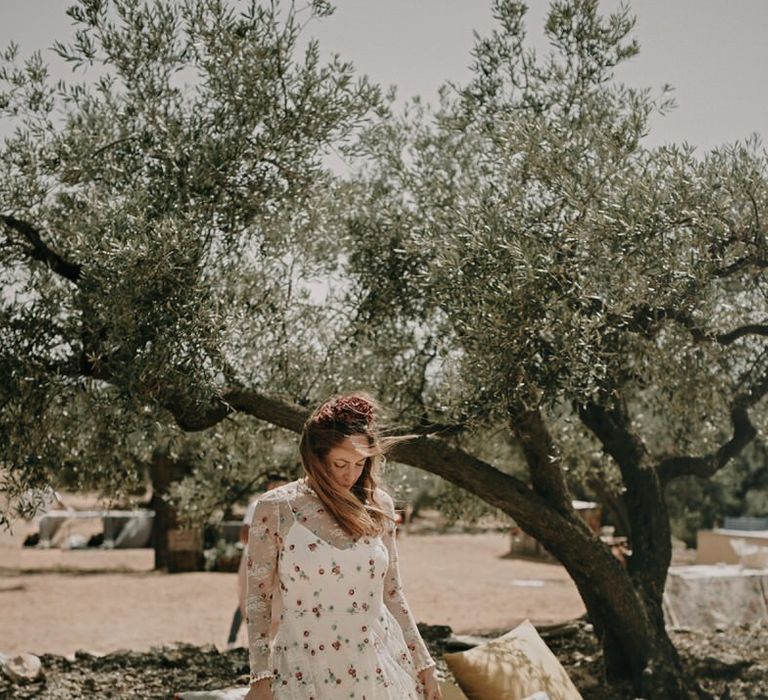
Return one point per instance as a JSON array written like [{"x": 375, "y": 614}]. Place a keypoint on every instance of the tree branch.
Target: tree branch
[
  {"x": 425, "y": 452},
  {"x": 533, "y": 512},
  {"x": 741, "y": 331},
  {"x": 743, "y": 433},
  {"x": 646, "y": 317},
  {"x": 644, "y": 497},
  {"x": 740, "y": 264},
  {"x": 41, "y": 251},
  {"x": 543, "y": 463}
]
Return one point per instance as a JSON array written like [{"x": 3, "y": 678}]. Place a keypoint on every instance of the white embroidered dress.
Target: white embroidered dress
[{"x": 345, "y": 629}]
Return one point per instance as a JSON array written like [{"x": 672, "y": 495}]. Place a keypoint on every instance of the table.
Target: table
[{"x": 710, "y": 596}]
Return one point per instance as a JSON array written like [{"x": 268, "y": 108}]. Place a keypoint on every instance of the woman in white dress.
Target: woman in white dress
[{"x": 322, "y": 557}]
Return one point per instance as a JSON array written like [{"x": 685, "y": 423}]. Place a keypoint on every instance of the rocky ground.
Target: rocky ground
[{"x": 731, "y": 664}]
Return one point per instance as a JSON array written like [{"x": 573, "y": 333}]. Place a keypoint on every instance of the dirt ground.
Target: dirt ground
[
  {"x": 171, "y": 628},
  {"x": 59, "y": 601},
  {"x": 106, "y": 625}
]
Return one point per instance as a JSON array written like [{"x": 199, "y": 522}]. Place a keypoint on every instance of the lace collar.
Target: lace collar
[{"x": 302, "y": 484}]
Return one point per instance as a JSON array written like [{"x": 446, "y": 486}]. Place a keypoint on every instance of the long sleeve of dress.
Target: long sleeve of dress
[
  {"x": 394, "y": 598},
  {"x": 261, "y": 563}
]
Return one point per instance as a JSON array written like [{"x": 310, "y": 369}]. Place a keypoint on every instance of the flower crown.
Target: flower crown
[{"x": 352, "y": 410}]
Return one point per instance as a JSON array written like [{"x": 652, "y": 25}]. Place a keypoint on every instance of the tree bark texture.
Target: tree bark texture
[
  {"x": 658, "y": 672},
  {"x": 164, "y": 471},
  {"x": 623, "y": 603}
]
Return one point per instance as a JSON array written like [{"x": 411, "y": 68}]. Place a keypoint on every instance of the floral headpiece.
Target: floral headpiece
[{"x": 353, "y": 410}]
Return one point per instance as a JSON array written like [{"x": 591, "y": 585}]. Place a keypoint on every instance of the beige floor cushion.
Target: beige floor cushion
[
  {"x": 451, "y": 691},
  {"x": 513, "y": 667}
]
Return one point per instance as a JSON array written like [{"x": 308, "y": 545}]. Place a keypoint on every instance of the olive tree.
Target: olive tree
[
  {"x": 520, "y": 266},
  {"x": 157, "y": 226},
  {"x": 601, "y": 301}
]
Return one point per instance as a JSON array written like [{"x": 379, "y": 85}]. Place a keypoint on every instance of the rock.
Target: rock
[
  {"x": 433, "y": 632},
  {"x": 758, "y": 672},
  {"x": 721, "y": 666},
  {"x": 85, "y": 655},
  {"x": 461, "y": 642},
  {"x": 555, "y": 631},
  {"x": 23, "y": 668}
]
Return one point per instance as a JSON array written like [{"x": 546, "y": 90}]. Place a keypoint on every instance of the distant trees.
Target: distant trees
[{"x": 524, "y": 283}]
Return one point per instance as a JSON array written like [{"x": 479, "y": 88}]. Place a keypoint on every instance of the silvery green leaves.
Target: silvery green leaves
[
  {"x": 553, "y": 258},
  {"x": 180, "y": 172}
]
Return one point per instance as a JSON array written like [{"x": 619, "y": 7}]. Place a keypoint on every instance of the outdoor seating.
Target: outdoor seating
[
  {"x": 517, "y": 665},
  {"x": 711, "y": 596},
  {"x": 122, "y": 528}
]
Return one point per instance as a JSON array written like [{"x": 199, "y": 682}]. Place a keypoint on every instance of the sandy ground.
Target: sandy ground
[{"x": 59, "y": 601}]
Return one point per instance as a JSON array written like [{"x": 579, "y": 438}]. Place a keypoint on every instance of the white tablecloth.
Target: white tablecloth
[{"x": 708, "y": 596}]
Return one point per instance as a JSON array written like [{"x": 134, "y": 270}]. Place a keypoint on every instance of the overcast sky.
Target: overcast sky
[{"x": 714, "y": 52}]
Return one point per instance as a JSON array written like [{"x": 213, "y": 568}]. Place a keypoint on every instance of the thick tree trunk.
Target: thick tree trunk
[
  {"x": 163, "y": 472},
  {"x": 657, "y": 672},
  {"x": 629, "y": 624},
  {"x": 644, "y": 657}
]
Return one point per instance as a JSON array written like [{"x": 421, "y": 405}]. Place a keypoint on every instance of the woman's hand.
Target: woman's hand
[
  {"x": 428, "y": 678},
  {"x": 260, "y": 690}
]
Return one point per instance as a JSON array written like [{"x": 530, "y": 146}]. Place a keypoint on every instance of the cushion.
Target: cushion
[
  {"x": 451, "y": 691},
  {"x": 514, "y": 666}
]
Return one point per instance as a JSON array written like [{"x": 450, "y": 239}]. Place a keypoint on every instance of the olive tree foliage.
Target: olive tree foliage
[
  {"x": 600, "y": 302},
  {"x": 552, "y": 260},
  {"x": 158, "y": 237},
  {"x": 518, "y": 277}
]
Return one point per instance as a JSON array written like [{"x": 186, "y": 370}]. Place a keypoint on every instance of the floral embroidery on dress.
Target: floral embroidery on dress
[{"x": 345, "y": 629}]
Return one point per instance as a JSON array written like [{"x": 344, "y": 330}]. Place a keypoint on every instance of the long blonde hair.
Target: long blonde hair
[{"x": 356, "y": 510}]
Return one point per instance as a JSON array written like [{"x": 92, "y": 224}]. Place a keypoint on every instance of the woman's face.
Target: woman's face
[{"x": 346, "y": 460}]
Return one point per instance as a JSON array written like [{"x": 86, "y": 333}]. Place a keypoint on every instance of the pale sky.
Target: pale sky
[{"x": 714, "y": 52}]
